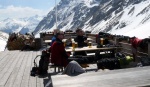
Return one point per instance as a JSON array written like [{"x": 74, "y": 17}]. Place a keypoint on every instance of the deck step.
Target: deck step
[{"x": 134, "y": 77}]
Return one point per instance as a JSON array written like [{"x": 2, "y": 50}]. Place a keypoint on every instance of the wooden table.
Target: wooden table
[{"x": 93, "y": 48}]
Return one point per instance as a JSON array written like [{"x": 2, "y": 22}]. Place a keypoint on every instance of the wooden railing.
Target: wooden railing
[
  {"x": 127, "y": 49},
  {"x": 48, "y": 36}
]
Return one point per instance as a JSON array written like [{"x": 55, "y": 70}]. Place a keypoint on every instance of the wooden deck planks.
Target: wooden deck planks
[
  {"x": 40, "y": 81},
  {"x": 26, "y": 74},
  {"x": 3, "y": 54},
  {"x": 21, "y": 71},
  {"x": 14, "y": 73},
  {"x": 4, "y": 59},
  {"x": 7, "y": 68},
  {"x": 32, "y": 80},
  {"x": 15, "y": 69}
]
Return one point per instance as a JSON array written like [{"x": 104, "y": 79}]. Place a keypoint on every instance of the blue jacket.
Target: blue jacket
[{"x": 53, "y": 40}]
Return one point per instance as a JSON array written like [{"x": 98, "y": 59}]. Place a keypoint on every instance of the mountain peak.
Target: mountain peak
[{"x": 10, "y": 25}]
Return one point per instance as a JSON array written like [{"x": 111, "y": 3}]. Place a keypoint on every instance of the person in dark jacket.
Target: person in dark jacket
[
  {"x": 58, "y": 54},
  {"x": 81, "y": 39}
]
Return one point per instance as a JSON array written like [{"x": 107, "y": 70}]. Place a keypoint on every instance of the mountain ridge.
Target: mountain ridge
[
  {"x": 22, "y": 25},
  {"x": 109, "y": 16},
  {"x": 123, "y": 17}
]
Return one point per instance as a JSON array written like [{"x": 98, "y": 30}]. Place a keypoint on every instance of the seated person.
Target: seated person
[
  {"x": 59, "y": 55},
  {"x": 81, "y": 41}
]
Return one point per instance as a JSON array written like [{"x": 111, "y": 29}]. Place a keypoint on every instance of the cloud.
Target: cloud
[{"x": 19, "y": 12}]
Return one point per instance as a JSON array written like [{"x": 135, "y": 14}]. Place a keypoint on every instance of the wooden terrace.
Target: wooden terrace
[{"x": 15, "y": 69}]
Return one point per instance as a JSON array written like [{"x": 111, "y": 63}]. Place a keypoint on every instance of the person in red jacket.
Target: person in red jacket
[
  {"x": 135, "y": 42},
  {"x": 59, "y": 55}
]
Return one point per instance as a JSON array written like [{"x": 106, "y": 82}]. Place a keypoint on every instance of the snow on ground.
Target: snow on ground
[
  {"x": 3, "y": 40},
  {"x": 2, "y": 45}
]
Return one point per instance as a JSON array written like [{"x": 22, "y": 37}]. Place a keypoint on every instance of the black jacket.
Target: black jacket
[{"x": 80, "y": 40}]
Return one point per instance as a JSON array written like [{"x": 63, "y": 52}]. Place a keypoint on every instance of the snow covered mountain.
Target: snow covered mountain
[
  {"x": 21, "y": 25},
  {"x": 125, "y": 17}
]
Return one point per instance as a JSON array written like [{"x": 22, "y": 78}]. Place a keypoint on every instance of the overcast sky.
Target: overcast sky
[{"x": 25, "y": 8}]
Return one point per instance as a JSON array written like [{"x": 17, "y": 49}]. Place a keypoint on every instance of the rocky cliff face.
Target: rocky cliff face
[{"x": 94, "y": 15}]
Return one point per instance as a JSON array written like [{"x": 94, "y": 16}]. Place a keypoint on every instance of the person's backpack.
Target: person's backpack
[
  {"x": 43, "y": 63},
  {"x": 108, "y": 63},
  {"x": 123, "y": 59},
  {"x": 35, "y": 68}
]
